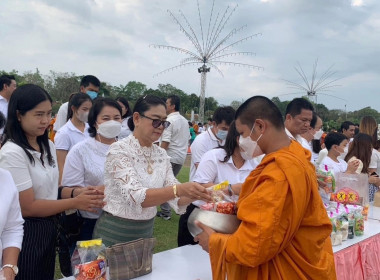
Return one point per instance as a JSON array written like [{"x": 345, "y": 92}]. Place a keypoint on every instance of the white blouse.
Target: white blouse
[
  {"x": 42, "y": 178},
  {"x": 125, "y": 131},
  {"x": 11, "y": 229},
  {"x": 84, "y": 166},
  {"x": 126, "y": 179}
]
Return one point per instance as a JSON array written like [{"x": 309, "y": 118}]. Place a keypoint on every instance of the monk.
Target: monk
[{"x": 284, "y": 231}]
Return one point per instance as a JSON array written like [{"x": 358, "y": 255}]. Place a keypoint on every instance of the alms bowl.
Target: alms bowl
[{"x": 223, "y": 223}]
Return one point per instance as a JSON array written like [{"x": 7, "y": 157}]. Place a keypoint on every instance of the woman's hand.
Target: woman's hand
[
  {"x": 8, "y": 273},
  {"x": 204, "y": 237},
  {"x": 374, "y": 179},
  {"x": 193, "y": 191},
  {"x": 89, "y": 200},
  {"x": 352, "y": 166}
]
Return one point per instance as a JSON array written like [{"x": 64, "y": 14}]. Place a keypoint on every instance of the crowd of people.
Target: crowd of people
[{"x": 112, "y": 166}]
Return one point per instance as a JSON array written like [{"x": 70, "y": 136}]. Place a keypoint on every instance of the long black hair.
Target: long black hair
[
  {"x": 125, "y": 102},
  {"x": 231, "y": 142},
  {"x": 143, "y": 104},
  {"x": 24, "y": 99},
  {"x": 77, "y": 100}
]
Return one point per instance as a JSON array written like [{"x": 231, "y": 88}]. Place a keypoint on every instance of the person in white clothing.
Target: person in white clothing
[
  {"x": 30, "y": 157},
  {"x": 298, "y": 116},
  {"x": 84, "y": 165},
  {"x": 313, "y": 135},
  {"x": 126, "y": 113},
  {"x": 335, "y": 143},
  {"x": 138, "y": 177},
  {"x": 7, "y": 87},
  {"x": 75, "y": 130},
  {"x": 175, "y": 141},
  {"x": 11, "y": 221},
  {"x": 89, "y": 85},
  {"x": 212, "y": 138}
]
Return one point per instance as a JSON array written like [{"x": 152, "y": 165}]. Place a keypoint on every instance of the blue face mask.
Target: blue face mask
[
  {"x": 222, "y": 134},
  {"x": 92, "y": 94}
]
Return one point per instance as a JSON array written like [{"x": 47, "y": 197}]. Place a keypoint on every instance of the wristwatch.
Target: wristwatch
[{"x": 14, "y": 268}]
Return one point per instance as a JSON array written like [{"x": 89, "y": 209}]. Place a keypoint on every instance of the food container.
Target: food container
[{"x": 223, "y": 223}]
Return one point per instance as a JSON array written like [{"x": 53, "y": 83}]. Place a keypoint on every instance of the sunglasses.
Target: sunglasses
[{"x": 157, "y": 122}]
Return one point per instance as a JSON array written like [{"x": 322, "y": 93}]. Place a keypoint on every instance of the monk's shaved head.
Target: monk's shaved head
[{"x": 259, "y": 107}]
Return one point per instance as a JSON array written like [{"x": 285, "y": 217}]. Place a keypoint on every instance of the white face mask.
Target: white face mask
[
  {"x": 249, "y": 148},
  {"x": 109, "y": 129},
  {"x": 82, "y": 116},
  {"x": 318, "y": 134}
]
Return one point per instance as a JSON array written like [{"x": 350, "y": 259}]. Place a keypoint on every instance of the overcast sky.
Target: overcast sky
[{"x": 111, "y": 38}]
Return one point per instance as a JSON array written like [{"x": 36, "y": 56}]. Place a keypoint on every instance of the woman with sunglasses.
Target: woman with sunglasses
[{"x": 139, "y": 177}]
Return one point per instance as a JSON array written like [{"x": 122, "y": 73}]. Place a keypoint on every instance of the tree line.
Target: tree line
[{"x": 61, "y": 84}]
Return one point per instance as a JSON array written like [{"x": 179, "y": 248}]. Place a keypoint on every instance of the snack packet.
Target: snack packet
[
  {"x": 217, "y": 191},
  {"x": 95, "y": 270},
  {"x": 359, "y": 223}
]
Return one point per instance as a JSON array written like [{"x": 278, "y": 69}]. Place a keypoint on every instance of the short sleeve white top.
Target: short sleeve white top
[
  {"x": 211, "y": 169},
  {"x": 125, "y": 131},
  {"x": 43, "y": 178},
  {"x": 69, "y": 135},
  {"x": 202, "y": 143},
  {"x": 375, "y": 160},
  {"x": 126, "y": 179},
  {"x": 11, "y": 229},
  {"x": 334, "y": 166},
  {"x": 61, "y": 118},
  {"x": 84, "y": 166},
  {"x": 177, "y": 135}
]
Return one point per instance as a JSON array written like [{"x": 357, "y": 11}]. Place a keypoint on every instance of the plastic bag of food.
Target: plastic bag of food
[
  {"x": 217, "y": 192},
  {"x": 329, "y": 179},
  {"x": 359, "y": 223},
  {"x": 86, "y": 252}
]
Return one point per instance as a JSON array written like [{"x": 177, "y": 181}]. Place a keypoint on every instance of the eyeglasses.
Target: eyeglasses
[{"x": 157, "y": 122}]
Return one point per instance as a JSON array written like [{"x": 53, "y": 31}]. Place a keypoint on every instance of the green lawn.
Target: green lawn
[{"x": 164, "y": 231}]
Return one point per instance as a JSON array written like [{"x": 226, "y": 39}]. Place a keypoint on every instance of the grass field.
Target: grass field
[{"x": 164, "y": 231}]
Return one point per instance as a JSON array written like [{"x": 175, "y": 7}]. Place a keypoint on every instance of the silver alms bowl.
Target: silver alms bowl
[{"x": 223, "y": 223}]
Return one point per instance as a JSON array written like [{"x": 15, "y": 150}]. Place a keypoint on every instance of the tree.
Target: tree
[
  {"x": 61, "y": 85},
  {"x": 235, "y": 104},
  {"x": 33, "y": 78}
]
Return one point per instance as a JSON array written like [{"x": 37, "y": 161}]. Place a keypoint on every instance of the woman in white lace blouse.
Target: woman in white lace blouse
[
  {"x": 84, "y": 165},
  {"x": 138, "y": 177}
]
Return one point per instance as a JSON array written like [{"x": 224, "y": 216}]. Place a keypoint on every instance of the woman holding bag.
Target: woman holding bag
[
  {"x": 138, "y": 177},
  {"x": 30, "y": 157}
]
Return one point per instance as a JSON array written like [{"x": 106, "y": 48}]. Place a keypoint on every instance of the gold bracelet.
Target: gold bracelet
[{"x": 175, "y": 191}]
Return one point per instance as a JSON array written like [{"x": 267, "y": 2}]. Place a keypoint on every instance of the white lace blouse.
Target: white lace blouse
[{"x": 126, "y": 178}]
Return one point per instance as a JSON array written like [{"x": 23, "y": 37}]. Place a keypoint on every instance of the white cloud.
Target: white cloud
[{"x": 111, "y": 39}]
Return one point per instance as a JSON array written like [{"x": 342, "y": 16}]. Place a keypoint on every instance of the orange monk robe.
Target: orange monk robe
[{"x": 284, "y": 233}]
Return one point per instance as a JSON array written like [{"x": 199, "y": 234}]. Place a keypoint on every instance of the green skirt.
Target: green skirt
[{"x": 113, "y": 230}]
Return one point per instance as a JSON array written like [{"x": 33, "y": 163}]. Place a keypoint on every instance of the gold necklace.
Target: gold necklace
[{"x": 149, "y": 169}]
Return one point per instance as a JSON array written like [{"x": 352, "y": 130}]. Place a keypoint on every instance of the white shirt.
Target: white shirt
[
  {"x": 68, "y": 135},
  {"x": 43, "y": 179},
  {"x": 61, "y": 118},
  {"x": 200, "y": 129},
  {"x": 300, "y": 140},
  {"x": 84, "y": 166},
  {"x": 177, "y": 135},
  {"x": 11, "y": 228},
  {"x": 333, "y": 166},
  {"x": 126, "y": 179},
  {"x": 125, "y": 131},
  {"x": 375, "y": 161},
  {"x": 202, "y": 143},
  {"x": 3, "y": 109},
  {"x": 211, "y": 169}
]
